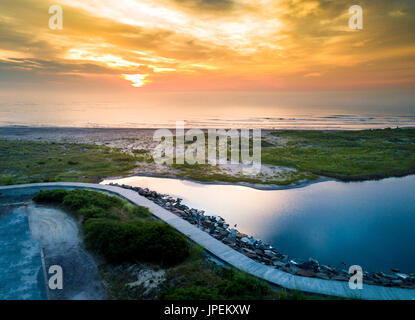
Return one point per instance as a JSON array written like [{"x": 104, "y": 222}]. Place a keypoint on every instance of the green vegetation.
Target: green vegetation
[
  {"x": 346, "y": 155},
  {"x": 142, "y": 155},
  {"x": 194, "y": 282},
  {"x": 29, "y": 162},
  {"x": 119, "y": 231},
  {"x": 206, "y": 173},
  {"x": 200, "y": 279},
  {"x": 126, "y": 241}
]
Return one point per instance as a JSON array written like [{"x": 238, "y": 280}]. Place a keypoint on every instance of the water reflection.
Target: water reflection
[{"x": 366, "y": 223}]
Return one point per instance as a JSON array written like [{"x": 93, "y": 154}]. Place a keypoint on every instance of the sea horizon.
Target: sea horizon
[{"x": 322, "y": 121}]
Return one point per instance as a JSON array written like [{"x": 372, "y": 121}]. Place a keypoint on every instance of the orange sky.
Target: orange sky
[{"x": 168, "y": 45}]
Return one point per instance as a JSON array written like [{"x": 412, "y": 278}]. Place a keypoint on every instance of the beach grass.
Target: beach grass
[
  {"x": 345, "y": 155},
  {"x": 32, "y": 161}
]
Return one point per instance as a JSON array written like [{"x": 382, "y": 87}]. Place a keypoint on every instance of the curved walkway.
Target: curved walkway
[{"x": 240, "y": 261}]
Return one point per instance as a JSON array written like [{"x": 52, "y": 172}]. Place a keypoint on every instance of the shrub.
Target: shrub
[
  {"x": 116, "y": 242},
  {"x": 137, "y": 211},
  {"x": 119, "y": 231},
  {"x": 97, "y": 212},
  {"x": 50, "y": 196},
  {"x": 240, "y": 285},
  {"x": 219, "y": 284},
  {"x": 164, "y": 244},
  {"x": 78, "y": 199},
  {"x": 149, "y": 241}
]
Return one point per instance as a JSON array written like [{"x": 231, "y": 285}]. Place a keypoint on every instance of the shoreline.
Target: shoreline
[
  {"x": 256, "y": 186},
  {"x": 22, "y": 126}
]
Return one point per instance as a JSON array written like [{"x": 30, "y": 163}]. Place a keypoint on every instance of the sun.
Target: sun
[{"x": 137, "y": 80}]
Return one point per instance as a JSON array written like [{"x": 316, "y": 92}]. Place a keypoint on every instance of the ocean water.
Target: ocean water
[
  {"x": 21, "y": 273},
  {"x": 368, "y": 223},
  {"x": 333, "y": 111}
]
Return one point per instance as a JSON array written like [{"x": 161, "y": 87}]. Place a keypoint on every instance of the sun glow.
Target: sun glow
[
  {"x": 108, "y": 59},
  {"x": 137, "y": 80}
]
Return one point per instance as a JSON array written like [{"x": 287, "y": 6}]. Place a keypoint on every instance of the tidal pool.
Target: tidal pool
[{"x": 371, "y": 223}]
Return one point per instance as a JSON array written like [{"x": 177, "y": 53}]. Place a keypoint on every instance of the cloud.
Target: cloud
[
  {"x": 397, "y": 13},
  {"x": 209, "y": 43},
  {"x": 210, "y": 5},
  {"x": 312, "y": 74}
]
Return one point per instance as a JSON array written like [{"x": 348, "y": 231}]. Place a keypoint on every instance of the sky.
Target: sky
[{"x": 132, "y": 48}]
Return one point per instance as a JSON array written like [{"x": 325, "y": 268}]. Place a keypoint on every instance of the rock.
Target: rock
[
  {"x": 244, "y": 240},
  {"x": 340, "y": 278},
  {"x": 278, "y": 264},
  {"x": 249, "y": 253},
  {"x": 402, "y": 276},
  {"x": 322, "y": 276},
  {"x": 223, "y": 233},
  {"x": 291, "y": 268},
  {"x": 241, "y": 235},
  {"x": 313, "y": 261},
  {"x": 305, "y": 273},
  {"x": 269, "y": 253},
  {"x": 306, "y": 266}
]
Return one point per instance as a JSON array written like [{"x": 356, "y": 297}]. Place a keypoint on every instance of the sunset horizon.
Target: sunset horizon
[{"x": 128, "y": 48}]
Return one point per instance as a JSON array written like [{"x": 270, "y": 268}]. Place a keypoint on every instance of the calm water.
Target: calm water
[{"x": 368, "y": 223}]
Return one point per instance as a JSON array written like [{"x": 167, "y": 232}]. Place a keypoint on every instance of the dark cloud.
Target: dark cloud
[{"x": 212, "y": 5}]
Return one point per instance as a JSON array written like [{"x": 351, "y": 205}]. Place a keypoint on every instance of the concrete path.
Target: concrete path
[{"x": 240, "y": 261}]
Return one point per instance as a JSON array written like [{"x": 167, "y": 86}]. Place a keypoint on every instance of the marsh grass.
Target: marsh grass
[
  {"x": 346, "y": 155},
  {"x": 29, "y": 162}
]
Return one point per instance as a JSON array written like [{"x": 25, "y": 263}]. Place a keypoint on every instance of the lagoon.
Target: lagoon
[{"x": 368, "y": 223}]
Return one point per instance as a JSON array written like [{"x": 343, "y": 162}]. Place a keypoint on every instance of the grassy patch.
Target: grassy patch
[
  {"x": 29, "y": 162},
  {"x": 346, "y": 155},
  {"x": 119, "y": 231},
  {"x": 200, "y": 279}
]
